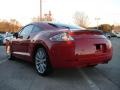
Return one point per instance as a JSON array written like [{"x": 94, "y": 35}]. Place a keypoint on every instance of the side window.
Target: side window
[
  {"x": 25, "y": 32},
  {"x": 36, "y": 29}
]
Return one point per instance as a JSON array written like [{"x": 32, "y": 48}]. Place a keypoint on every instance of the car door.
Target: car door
[
  {"x": 20, "y": 45},
  {"x": 33, "y": 37}
]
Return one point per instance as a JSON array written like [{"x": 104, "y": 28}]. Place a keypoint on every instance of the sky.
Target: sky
[{"x": 62, "y": 10}]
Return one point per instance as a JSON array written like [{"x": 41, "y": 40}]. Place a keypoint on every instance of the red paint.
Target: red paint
[{"x": 87, "y": 48}]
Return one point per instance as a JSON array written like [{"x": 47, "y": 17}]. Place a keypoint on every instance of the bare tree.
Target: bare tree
[{"x": 81, "y": 19}]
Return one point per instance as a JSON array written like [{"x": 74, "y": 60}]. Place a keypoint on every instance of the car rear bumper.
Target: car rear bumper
[
  {"x": 68, "y": 55},
  {"x": 82, "y": 62}
]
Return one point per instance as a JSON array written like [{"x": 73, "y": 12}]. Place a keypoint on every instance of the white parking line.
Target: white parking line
[
  {"x": 2, "y": 61},
  {"x": 89, "y": 81}
]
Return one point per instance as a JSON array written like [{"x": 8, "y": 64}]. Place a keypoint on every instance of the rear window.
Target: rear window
[{"x": 65, "y": 26}]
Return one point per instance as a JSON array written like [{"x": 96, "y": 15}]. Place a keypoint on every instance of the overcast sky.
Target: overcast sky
[{"x": 63, "y": 10}]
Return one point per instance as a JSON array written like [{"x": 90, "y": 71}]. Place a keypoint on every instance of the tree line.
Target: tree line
[
  {"x": 9, "y": 26},
  {"x": 80, "y": 18}
]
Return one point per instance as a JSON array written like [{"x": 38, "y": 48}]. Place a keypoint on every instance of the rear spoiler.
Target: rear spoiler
[{"x": 89, "y": 31}]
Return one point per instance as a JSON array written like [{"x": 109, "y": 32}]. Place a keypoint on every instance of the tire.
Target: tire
[
  {"x": 42, "y": 63},
  {"x": 11, "y": 57},
  {"x": 9, "y": 54}
]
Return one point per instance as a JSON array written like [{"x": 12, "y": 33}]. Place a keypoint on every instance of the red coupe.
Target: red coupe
[{"x": 55, "y": 45}]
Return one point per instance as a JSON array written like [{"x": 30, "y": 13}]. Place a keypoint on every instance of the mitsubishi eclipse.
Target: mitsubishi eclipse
[{"x": 55, "y": 45}]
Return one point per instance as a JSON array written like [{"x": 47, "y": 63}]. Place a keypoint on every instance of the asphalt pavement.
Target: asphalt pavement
[{"x": 20, "y": 75}]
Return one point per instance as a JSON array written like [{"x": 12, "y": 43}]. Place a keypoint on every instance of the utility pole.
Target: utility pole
[
  {"x": 40, "y": 10},
  {"x": 97, "y": 20}
]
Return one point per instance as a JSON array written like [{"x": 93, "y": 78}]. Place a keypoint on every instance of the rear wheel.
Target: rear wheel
[{"x": 42, "y": 63}]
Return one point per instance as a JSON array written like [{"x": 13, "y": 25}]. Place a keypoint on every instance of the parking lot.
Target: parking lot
[{"x": 20, "y": 75}]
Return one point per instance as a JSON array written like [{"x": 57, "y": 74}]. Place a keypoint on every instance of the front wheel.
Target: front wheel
[
  {"x": 11, "y": 57},
  {"x": 42, "y": 63},
  {"x": 9, "y": 54}
]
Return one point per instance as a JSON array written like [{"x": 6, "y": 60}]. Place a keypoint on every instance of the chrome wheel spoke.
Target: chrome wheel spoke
[
  {"x": 44, "y": 64},
  {"x": 42, "y": 68},
  {"x": 38, "y": 63},
  {"x": 41, "y": 61},
  {"x": 39, "y": 68}
]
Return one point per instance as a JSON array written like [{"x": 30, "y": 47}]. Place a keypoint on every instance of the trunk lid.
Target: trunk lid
[{"x": 90, "y": 42}]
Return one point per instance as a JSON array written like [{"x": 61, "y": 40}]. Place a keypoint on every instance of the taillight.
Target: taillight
[{"x": 62, "y": 37}]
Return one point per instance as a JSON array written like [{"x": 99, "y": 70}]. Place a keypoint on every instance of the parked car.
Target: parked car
[
  {"x": 112, "y": 34},
  {"x": 1, "y": 39},
  {"x": 7, "y": 37},
  {"x": 117, "y": 34},
  {"x": 108, "y": 35},
  {"x": 54, "y": 45}
]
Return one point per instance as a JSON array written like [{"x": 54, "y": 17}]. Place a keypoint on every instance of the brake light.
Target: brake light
[{"x": 62, "y": 37}]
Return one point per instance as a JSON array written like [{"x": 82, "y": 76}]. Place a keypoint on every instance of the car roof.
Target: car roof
[
  {"x": 44, "y": 25},
  {"x": 54, "y": 25}
]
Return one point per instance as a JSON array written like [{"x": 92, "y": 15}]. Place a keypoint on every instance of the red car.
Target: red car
[{"x": 55, "y": 45}]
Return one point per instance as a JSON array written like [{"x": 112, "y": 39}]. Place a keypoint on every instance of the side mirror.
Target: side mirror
[{"x": 15, "y": 35}]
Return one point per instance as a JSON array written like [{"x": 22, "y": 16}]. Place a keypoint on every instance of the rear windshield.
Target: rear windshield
[{"x": 65, "y": 26}]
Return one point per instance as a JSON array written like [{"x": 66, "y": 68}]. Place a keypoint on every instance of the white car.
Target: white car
[
  {"x": 118, "y": 34},
  {"x": 7, "y": 37},
  {"x": 107, "y": 35}
]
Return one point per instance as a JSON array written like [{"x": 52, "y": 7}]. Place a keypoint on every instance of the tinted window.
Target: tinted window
[
  {"x": 25, "y": 32},
  {"x": 36, "y": 29},
  {"x": 72, "y": 27}
]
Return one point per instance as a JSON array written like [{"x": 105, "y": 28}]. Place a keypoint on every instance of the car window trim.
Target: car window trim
[{"x": 24, "y": 27}]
